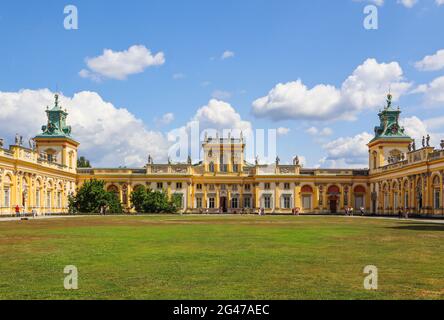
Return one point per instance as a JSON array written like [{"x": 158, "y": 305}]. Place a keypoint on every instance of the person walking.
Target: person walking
[{"x": 17, "y": 211}]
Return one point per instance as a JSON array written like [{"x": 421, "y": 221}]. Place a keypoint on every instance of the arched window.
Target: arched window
[
  {"x": 113, "y": 189},
  {"x": 211, "y": 167}
]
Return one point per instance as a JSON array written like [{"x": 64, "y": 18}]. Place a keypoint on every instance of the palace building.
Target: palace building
[{"x": 42, "y": 176}]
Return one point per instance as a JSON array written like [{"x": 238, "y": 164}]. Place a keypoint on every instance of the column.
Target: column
[{"x": 277, "y": 196}]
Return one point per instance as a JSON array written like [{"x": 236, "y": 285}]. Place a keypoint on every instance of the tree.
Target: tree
[
  {"x": 138, "y": 198},
  {"x": 149, "y": 201},
  {"x": 91, "y": 197},
  {"x": 82, "y": 162}
]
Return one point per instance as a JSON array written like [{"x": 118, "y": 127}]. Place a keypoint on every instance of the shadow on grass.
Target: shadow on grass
[{"x": 420, "y": 227}]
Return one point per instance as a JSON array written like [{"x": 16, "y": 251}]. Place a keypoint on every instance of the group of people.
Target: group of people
[
  {"x": 350, "y": 210},
  {"x": 19, "y": 213},
  {"x": 403, "y": 213}
]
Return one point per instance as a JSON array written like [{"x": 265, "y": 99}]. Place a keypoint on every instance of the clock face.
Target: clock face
[{"x": 395, "y": 129}]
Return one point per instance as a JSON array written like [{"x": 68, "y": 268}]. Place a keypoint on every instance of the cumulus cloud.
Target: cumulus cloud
[
  {"x": 350, "y": 152},
  {"x": 109, "y": 136},
  {"x": 215, "y": 117},
  {"x": 417, "y": 128},
  {"x": 281, "y": 131},
  {"x": 227, "y": 55},
  {"x": 433, "y": 92},
  {"x": 166, "y": 119},
  {"x": 365, "y": 88},
  {"x": 120, "y": 64},
  {"x": 432, "y": 62}
]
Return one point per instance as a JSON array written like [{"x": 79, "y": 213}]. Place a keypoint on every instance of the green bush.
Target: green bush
[
  {"x": 91, "y": 197},
  {"x": 149, "y": 201}
]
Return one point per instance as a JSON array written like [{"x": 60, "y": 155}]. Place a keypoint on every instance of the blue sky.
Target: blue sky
[{"x": 320, "y": 43}]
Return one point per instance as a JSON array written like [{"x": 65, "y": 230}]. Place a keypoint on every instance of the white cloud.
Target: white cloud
[
  {"x": 166, "y": 119},
  {"x": 351, "y": 152},
  {"x": 417, "y": 128},
  {"x": 281, "y": 131},
  {"x": 109, "y": 136},
  {"x": 408, "y": 3},
  {"x": 325, "y": 132},
  {"x": 215, "y": 115},
  {"x": 221, "y": 95},
  {"x": 120, "y": 64},
  {"x": 433, "y": 62},
  {"x": 433, "y": 92},
  {"x": 365, "y": 88},
  {"x": 439, "y": 2},
  {"x": 227, "y": 54}
]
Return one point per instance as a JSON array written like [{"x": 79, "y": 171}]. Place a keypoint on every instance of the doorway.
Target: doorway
[
  {"x": 223, "y": 204},
  {"x": 333, "y": 204}
]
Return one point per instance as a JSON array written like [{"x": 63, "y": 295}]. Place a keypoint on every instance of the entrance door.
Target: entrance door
[
  {"x": 223, "y": 204},
  {"x": 333, "y": 204}
]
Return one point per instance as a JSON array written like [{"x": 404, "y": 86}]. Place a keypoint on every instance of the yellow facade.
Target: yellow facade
[{"x": 398, "y": 179}]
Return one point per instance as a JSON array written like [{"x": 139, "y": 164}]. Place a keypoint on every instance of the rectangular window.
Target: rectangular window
[
  {"x": 179, "y": 185},
  {"x": 211, "y": 187},
  {"x": 359, "y": 202},
  {"x": 234, "y": 187},
  {"x": 180, "y": 196},
  {"x": 247, "y": 202},
  {"x": 198, "y": 203},
  {"x": 406, "y": 200},
  {"x": 37, "y": 198},
  {"x": 234, "y": 203},
  {"x": 7, "y": 197},
  {"x": 160, "y": 185},
  {"x": 48, "y": 199},
  {"x": 306, "y": 202},
  {"x": 235, "y": 168},
  {"x": 267, "y": 186},
  {"x": 437, "y": 199},
  {"x": 267, "y": 202},
  {"x": 211, "y": 203},
  {"x": 247, "y": 187},
  {"x": 199, "y": 186},
  {"x": 59, "y": 199},
  {"x": 223, "y": 187},
  {"x": 287, "y": 202}
]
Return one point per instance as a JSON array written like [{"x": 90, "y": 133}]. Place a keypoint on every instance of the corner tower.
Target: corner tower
[
  {"x": 390, "y": 143},
  {"x": 55, "y": 143}
]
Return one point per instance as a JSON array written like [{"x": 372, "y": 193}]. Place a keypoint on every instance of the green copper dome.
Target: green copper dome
[
  {"x": 56, "y": 126},
  {"x": 389, "y": 126}
]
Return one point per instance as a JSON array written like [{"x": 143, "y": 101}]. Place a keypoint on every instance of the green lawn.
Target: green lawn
[{"x": 218, "y": 257}]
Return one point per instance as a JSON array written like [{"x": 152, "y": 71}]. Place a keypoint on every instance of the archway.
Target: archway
[
  {"x": 359, "y": 196},
  {"x": 333, "y": 198}
]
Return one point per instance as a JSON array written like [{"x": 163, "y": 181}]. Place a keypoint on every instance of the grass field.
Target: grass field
[{"x": 214, "y": 257}]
